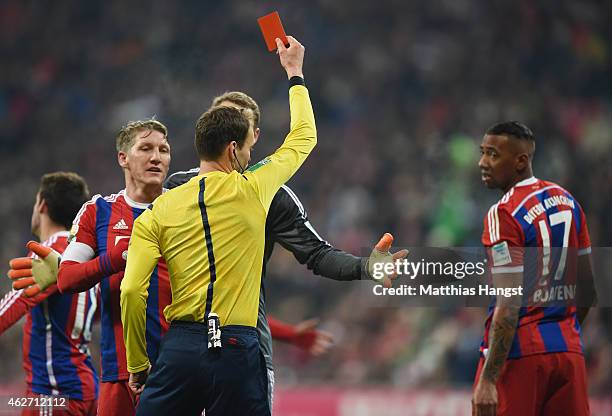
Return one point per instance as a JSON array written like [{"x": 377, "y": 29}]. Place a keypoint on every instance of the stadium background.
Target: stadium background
[{"x": 402, "y": 93}]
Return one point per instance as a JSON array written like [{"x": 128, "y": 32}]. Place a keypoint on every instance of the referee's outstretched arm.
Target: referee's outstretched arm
[{"x": 272, "y": 172}]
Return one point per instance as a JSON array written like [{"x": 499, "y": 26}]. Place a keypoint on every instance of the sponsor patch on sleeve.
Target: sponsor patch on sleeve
[
  {"x": 501, "y": 254},
  {"x": 259, "y": 164}
]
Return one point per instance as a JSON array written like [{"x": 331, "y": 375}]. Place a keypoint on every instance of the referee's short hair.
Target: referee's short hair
[
  {"x": 64, "y": 193},
  {"x": 216, "y": 128}
]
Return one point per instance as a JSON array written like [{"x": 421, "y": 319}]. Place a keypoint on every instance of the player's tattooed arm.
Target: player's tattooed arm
[{"x": 503, "y": 326}]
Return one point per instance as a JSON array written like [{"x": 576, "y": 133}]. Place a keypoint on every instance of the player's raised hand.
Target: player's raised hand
[
  {"x": 34, "y": 275},
  {"x": 380, "y": 257},
  {"x": 292, "y": 57}
]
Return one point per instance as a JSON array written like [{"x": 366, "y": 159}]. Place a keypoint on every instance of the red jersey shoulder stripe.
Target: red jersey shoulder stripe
[{"x": 92, "y": 201}]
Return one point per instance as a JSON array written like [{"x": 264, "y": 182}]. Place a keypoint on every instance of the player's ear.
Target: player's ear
[
  {"x": 522, "y": 162},
  {"x": 256, "y": 135},
  {"x": 41, "y": 205},
  {"x": 122, "y": 159}
]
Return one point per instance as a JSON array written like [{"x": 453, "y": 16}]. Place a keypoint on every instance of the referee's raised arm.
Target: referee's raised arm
[{"x": 272, "y": 172}]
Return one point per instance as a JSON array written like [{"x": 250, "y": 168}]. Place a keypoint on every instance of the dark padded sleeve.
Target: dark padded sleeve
[{"x": 288, "y": 225}]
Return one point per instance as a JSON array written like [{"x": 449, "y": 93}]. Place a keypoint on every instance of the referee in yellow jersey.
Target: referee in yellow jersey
[{"x": 211, "y": 233}]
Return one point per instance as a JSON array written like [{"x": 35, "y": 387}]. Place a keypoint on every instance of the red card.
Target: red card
[{"x": 272, "y": 28}]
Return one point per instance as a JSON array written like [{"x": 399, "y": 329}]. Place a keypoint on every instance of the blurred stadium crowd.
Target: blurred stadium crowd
[{"x": 402, "y": 93}]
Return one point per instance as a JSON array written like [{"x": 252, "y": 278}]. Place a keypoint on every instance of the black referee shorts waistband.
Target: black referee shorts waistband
[{"x": 203, "y": 328}]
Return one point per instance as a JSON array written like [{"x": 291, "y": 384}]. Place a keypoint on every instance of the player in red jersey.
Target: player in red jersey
[
  {"x": 537, "y": 240},
  {"x": 99, "y": 238},
  {"x": 57, "y": 331}
]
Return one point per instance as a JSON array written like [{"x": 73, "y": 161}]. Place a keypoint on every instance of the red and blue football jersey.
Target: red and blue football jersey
[
  {"x": 539, "y": 229},
  {"x": 56, "y": 334},
  {"x": 100, "y": 224}
]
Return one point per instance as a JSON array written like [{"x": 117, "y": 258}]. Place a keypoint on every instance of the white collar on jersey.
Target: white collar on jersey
[
  {"x": 528, "y": 181},
  {"x": 134, "y": 204}
]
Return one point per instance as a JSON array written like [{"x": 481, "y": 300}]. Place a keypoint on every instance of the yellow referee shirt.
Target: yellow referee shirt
[{"x": 211, "y": 232}]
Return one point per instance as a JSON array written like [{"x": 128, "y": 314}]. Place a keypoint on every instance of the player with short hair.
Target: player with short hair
[
  {"x": 537, "y": 239},
  {"x": 97, "y": 250},
  {"x": 240, "y": 100},
  {"x": 57, "y": 331},
  {"x": 211, "y": 232}
]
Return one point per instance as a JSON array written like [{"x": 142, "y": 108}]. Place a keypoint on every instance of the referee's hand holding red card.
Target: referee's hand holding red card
[{"x": 292, "y": 57}]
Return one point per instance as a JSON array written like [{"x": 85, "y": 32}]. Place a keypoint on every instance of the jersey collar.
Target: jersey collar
[
  {"x": 524, "y": 182},
  {"x": 132, "y": 203},
  {"x": 528, "y": 181},
  {"x": 58, "y": 234},
  {"x": 64, "y": 233}
]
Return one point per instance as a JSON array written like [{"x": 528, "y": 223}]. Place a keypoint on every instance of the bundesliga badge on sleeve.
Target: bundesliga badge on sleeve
[{"x": 214, "y": 331}]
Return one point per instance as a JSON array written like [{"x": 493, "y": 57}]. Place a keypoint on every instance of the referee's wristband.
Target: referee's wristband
[{"x": 296, "y": 80}]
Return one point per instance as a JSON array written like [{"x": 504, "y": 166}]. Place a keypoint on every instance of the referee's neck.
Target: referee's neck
[{"x": 207, "y": 166}]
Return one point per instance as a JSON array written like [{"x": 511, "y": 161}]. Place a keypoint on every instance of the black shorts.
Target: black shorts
[{"x": 188, "y": 377}]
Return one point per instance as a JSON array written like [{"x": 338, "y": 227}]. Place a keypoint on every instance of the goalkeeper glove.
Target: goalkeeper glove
[
  {"x": 379, "y": 257},
  {"x": 34, "y": 275}
]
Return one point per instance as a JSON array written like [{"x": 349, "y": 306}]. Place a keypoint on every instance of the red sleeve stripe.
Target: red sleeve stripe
[
  {"x": 8, "y": 300},
  {"x": 110, "y": 198},
  {"x": 493, "y": 223},
  {"x": 489, "y": 223},
  {"x": 493, "y": 217},
  {"x": 496, "y": 219},
  {"x": 92, "y": 201}
]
